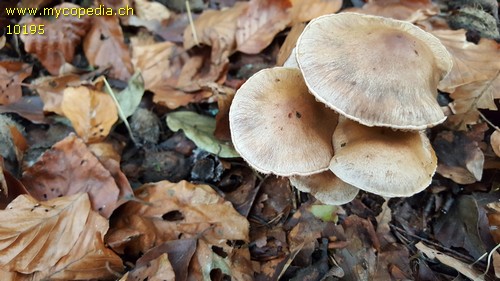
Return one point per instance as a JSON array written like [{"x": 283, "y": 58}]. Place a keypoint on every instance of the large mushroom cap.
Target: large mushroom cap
[
  {"x": 382, "y": 161},
  {"x": 278, "y": 127},
  {"x": 376, "y": 71},
  {"x": 326, "y": 187}
]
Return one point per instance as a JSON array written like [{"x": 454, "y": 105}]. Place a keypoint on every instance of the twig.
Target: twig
[{"x": 191, "y": 23}]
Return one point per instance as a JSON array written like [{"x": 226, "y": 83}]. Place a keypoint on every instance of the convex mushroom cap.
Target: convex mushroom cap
[
  {"x": 381, "y": 160},
  {"x": 278, "y": 127},
  {"x": 326, "y": 187},
  {"x": 374, "y": 70}
]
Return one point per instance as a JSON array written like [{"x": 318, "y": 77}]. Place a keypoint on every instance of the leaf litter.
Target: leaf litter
[{"x": 139, "y": 180}]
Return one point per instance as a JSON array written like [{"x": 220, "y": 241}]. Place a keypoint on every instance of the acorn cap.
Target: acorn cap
[
  {"x": 381, "y": 160},
  {"x": 326, "y": 187},
  {"x": 278, "y": 127},
  {"x": 374, "y": 70}
]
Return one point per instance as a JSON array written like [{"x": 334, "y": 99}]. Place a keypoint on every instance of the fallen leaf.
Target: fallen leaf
[
  {"x": 200, "y": 129},
  {"x": 460, "y": 266},
  {"x": 459, "y": 157},
  {"x": 130, "y": 97},
  {"x": 149, "y": 14},
  {"x": 104, "y": 46},
  {"x": 407, "y": 10},
  {"x": 493, "y": 214},
  {"x": 51, "y": 89},
  {"x": 50, "y": 238},
  {"x": 289, "y": 44},
  {"x": 225, "y": 97},
  {"x": 69, "y": 167},
  {"x": 495, "y": 142},
  {"x": 57, "y": 43},
  {"x": 157, "y": 269},
  {"x": 92, "y": 113},
  {"x": 306, "y": 10},
  {"x": 34, "y": 3},
  {"x": 257, "y": 27},
  {"x": 12, "y": 73},
  {"x": 496, "y": 264},
  {"x": 169, "y": 211},
  {"x": 218, "y": 30}
]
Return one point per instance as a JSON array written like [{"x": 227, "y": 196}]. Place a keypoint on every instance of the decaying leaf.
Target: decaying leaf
[
  {"x": 407, "y": 10},
  {"x": 104, "y": 46},
  {"x": 69, "y": 168},
  {"x": 92, "y": 113},
  {"x": 157, "y": 269},
  {"x": 12, "y": 73},
  {"x": 51, "y": 239},
  {"x": 200, "y": 129},
  {"x": 459, "y": 157},
  {"x": 189, "y": 211},
  {"x": 306, "y": 10},
  {"x": 59, "y": 39},
  {"x": 495, "y": 142},
  {"x": 258, "y": 25},
  {"x": 130, "y": 98},
  {"x": 51, "y": 90}
]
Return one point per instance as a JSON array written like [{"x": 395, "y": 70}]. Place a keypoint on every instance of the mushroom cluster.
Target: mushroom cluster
[{"x": 347, "y": 111}]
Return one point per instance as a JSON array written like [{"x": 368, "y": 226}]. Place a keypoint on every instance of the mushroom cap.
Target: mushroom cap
[
  {"x": 326, "y": 187},
  {"x": 291, "y": 61},
  {"x": 374, "y": 70},
  {"x": 381, "y": 160},
  {"x": 278, "y": 127}
]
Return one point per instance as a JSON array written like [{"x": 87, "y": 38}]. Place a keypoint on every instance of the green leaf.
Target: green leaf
[
  {"x": 200, "y": 129},
  {"x": 325, "y": 212},
  {"x": 130, "y": 98}
]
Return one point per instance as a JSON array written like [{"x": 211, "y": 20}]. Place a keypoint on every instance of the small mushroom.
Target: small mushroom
[
  {"x": 278, "y": 127},
  {"x": 381, "y": 160},
  {"x": 326, "y": 187},
  {"x": 374, "y": 70}
]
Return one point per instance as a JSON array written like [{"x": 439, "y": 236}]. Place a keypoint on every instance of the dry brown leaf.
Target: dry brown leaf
[
  {"x": 183, "y": 209},
  {"x": 258, "y": 26},
  {"x": 60, "y": 38},
  {"x": 157, "y": 269},
  {"x": 150, "y": 14},
  {"x": 168, "y": 71},
  {"x": 218, "y": 30},
  {"x": 306, "y": 10},
  {"x": 51, "y": 90},
  {"x": 495, "y": 142},
  {"x": 92, "y": 113},
  {"x": 69, "y": 167},
  {"x": 407, "y": 10},
  {"x": 12, "y": 73},
  {"x": 29, "y": 107},
  {"x": 289, "y": 44},
  {"x": 104, "y": 46},
  {"x": 47, "y": 236}
]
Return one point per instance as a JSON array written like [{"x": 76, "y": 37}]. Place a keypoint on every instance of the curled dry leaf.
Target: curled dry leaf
[
  {"x": 407, "y": 10},
  {"x": 51, "y": 90},
  {"x": 157, "y": 269},
  {"x": 495, "y": 142},
  {"x": 168, "y": 71},
  {"x": 306, "y": 10},
  {"x": 171, "y": 210},
  {"x": 51, "y": 239},
  {"x": 92, "y": 113},
  {"x": 69, "y": 167},
  {"x": 104, "y": 46},
  {"x": 60, "y": 38},
  {"x": 149, "y": 14},
  {"x": 257, "y": 27},
  {"x": 12, "y": 73},
  {"x": 218, "y": 30}
]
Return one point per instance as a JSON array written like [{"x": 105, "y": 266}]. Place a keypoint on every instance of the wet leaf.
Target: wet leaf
[
  {"x": 12, "y": 73},
  {"x": 69, "y": 168},
  {"x": 92, "y": 113},
  {"x": 59, "y": 40},
  {"x": 48, "y": 238},
  {"x": 200, "y": 129},
  {"x": 104, "y": 46},
  {"x": 259, "y": 24}
]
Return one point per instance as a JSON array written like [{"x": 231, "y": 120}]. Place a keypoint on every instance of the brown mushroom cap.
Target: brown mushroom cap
[
  {"x": 326, "y": 187},
  {"x": 374, "y": 70},
  {"x": 278, "y": 127},
  {"x": 382, "y": 161}
]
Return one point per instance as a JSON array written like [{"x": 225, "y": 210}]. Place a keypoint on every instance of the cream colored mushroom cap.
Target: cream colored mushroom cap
[
  {"x": 381, "y": 160},
  {"x": 374, "y": 70},
  {"x": 278, "y": 127},
  {"x": 326, "y": 187}
]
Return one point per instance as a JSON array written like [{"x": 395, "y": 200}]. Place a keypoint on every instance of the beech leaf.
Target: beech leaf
[
  {"x": 200, "y": 129},
  {"x": 12, "y": 73}
]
